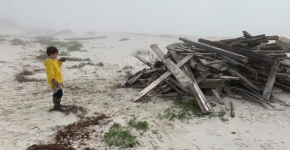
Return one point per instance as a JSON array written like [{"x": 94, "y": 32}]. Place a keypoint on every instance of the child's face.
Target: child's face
[{"x": 53, "y": 56}]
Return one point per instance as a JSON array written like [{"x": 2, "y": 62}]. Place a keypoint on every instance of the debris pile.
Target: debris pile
[{"x": 248, "y": 66}]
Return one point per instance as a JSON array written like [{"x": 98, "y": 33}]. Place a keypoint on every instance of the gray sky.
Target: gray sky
[{"x": 186, "y": 17}]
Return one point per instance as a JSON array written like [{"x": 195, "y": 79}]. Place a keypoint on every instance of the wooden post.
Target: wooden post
[{"x": 271, "y": 80}]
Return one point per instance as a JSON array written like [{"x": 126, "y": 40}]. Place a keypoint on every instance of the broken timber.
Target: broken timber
[
  {"x": 160, "y": 79},
  {"x": 184, "y": 80},
  {"x": 216, "y": 50}
]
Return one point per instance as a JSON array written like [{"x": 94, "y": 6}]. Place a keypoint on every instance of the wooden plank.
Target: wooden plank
[
  {"x": 232, "y": 109},
  {"x": 174, "y": 87},
  {"x": 282, "y": 86},
  {"x": 273, "y": 37},
  {"x": 272, "y": 46},
  {"x": 136, "y": 78},
  {"x": 160, "y": 79},
  {"x": 168, "y": 95},
  {"x": 205, "y": 57},
  {"x": 145, "y": 61},
  {"x": 214, "y": 66},
  {"x": 216, "y": 94},
  {"x": 182, "y": 50},
  {"x": 247, "y": 34},
  {"x": 284, "y": 43},
  {"x": 272, "y": 51},
  {"x": 87, "y": 38},
  {"x": 176, "y": 71},
  {"x": 165, "y": 90},
  {"x": 212, "y": 83},
  {"x": 248, "y": 53},
  {"x": 175, "y": 57},
  {"x": 251, "y": 41},
  {"x": 235, "y": 73},
  {"x": 185, "y": 80},
  {"x": 228, "y": 77},
  {"x": 230, "y": 60},
  {"x": 151, "y": 71},
  {"x": 187, "y": 70},
  {"x": 198, "y": 54},
  {"x": 179, "y": 85},
  {"x": 216, "y": 50},
  {"x": 202, "y": 76},
  {"x": 178, "y": 50},
  {"x": 220, "y": 62},
  {"x": 200, "y": 98},
  {"x": 271, "y": 79},
  {"x": 192, "y": 63},
  {"x": 131, "y": 78}
]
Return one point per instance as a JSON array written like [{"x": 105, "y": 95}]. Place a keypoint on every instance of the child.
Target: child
[{"x": 54, "y": 76}]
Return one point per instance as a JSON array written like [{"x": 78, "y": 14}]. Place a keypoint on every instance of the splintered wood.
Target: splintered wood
[{"x": 248, "y": 66}]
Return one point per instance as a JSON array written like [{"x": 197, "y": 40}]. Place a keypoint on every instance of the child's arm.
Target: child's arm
[{"x": 59, "y": 61}]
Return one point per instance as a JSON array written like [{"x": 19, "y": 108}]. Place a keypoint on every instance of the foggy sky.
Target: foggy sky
[{"x": 183, "y": 17}]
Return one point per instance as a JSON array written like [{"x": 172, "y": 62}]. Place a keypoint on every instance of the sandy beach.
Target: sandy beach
[{"x": 26, "y": 120}]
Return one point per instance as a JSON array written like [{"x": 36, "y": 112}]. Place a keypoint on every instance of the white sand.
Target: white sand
[{"x": 25, "y": 119}]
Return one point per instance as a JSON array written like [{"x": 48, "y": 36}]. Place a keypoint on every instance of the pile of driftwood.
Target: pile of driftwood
[{"x": 248, "y": 66}]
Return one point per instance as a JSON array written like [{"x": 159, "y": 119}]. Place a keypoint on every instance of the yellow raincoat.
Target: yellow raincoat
[{"x": 53, "y": 70}]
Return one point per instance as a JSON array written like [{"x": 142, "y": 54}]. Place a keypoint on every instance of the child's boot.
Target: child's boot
[{"x": 56, "y": 103}]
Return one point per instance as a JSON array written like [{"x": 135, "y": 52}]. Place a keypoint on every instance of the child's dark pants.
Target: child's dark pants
[{"x": 58, "y": 94}]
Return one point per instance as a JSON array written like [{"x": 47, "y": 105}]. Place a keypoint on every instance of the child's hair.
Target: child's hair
[{"x": 51, "y": 50}]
